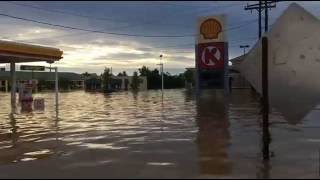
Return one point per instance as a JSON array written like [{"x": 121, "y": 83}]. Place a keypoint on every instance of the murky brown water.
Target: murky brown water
[{"x": 145, "y": 135}]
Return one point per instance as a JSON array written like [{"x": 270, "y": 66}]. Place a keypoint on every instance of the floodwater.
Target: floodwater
[{"x": 147, "y": 135}]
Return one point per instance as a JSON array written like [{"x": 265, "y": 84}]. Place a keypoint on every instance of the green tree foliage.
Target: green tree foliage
[
  {"x": 93, "y": 83},
  {"x": 173, "y": 81},
  {"x": 189, "y": 77},
  {"x": 135, "y": 82},
  {"x": 86, "y": 74},
  {"x": 106, "y": 79},
  {"x": 124, "y": 73},
  {"x": 154, "y": 79}
]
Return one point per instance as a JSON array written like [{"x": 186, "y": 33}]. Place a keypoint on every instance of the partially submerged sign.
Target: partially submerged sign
[
  {"x": 212, "y": 53},
  {"x": 32, "y": 68}
]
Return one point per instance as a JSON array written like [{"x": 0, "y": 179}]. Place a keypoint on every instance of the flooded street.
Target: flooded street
[{"x": 147, "y": 135}]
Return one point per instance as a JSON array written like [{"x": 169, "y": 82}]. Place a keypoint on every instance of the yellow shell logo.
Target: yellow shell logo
[{"x": 210, "y": 29}]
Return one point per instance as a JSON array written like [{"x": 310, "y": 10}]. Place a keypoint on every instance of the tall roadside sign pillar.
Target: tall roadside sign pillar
[{"x": 211, "y": 52}]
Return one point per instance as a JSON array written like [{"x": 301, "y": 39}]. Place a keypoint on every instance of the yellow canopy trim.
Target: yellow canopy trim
[{"x": 9, "y": 47}]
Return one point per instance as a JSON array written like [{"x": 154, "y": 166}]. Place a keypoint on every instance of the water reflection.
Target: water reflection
[
  {"x": 14, "y": 130},
  {"x": 264, "y": 169},
  {"x": 25, "y": 143},
  {"x": 147, "y": 135},
  {"x": 213, "y": 138}
]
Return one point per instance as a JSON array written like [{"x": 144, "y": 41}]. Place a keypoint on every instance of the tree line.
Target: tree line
[{"x": 153, "y": 77}]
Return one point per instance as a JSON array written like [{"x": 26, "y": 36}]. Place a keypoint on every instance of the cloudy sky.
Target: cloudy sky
[{"x": 91, "y": 52}]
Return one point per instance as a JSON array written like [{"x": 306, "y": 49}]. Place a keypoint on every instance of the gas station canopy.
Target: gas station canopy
[
  {"x": 13, "y": 52},
  {"x": 21, "y": 53}
]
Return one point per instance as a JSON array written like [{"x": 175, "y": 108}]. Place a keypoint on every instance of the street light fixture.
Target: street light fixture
[{"x": 244, "y": 48}]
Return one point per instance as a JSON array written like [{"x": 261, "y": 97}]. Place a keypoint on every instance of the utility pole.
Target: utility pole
[
  {"x": 259, "y": 11},
  {"x": 264, "y": 80},
  {"x": 265, "y": 99},
  {"x": 260, "y": 7},
  {"x": 266, "y": 23}
]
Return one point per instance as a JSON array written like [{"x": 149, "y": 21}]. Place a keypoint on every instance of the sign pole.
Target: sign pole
[
  {"x": 265, "y": 99},
  {"x": 227, "y": 84},
  {"x": 197, "y": 71}
]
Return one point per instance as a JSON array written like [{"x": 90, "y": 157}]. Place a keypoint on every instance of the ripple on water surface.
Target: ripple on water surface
[{"x": 149, "y": 135}]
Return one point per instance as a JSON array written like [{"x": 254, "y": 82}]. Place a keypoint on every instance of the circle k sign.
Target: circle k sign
[{"x": 211, "y": 55}]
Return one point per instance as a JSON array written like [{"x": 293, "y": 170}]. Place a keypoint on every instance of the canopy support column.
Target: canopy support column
[
  {"x": 6, "y": 85},
  {"x": 13, "y": 86}
]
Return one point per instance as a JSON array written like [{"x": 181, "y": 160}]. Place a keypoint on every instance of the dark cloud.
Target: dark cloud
[{"x": 164, "y": 18}]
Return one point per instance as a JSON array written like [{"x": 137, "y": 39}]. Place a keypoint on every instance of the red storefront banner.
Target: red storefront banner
[{"x": 211, "y": 55}]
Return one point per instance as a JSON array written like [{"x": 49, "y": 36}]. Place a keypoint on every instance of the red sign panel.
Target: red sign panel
[{"x": 211, "y": 55}]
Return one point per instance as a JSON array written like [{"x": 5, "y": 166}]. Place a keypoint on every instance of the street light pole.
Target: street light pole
[
  {"x": 161, "y": 69},
  {"x": 244, "y": 48},
  {"x": 161, "y": 64}
]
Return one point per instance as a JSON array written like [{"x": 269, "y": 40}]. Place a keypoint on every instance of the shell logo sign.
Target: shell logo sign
[
  {"x": 212, "y": 53},
  {"x": 211, "y": 46},
  {"x": 210, "y": 28}
]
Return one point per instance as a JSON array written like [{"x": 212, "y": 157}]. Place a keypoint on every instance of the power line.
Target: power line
[
  {"x": 63, "y": 12},
  {"x": 192, "y": 44},
  {"x": 96, "y": 31},
  {"x": 244, "y": 23},
  {"x": 259, "y": 7},
  {"x": 179, "y": 46},
  {"x": 100, "y": 31},
  {"x": 184, "y": 5},
  {"x": 99, "y": 18}
]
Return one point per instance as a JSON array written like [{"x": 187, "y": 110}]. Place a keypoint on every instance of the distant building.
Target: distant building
[
  {"x": 124, "y": 82},
  {"x": 92, "y": 82},
  {"x": 43, "y": 80},
  {"x": 237, "y": 80}
]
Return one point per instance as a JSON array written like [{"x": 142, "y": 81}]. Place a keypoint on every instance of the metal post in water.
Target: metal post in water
[
  {"x": 265, "y": 99},
  {"x": 57, "y": 89},
  {"x": 162, "y": 76},
  {"x": 6, "y": 85},
  {"x": 197, "y": 79},
  {"x": 226, "y": 80},
  {"x": 161, "y": 64},
  {"x": 13, "y": 87},
  {"x": 161, "y": 69}
]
